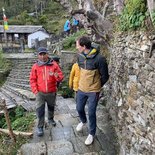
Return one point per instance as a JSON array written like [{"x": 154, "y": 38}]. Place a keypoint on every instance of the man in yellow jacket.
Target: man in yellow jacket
[{"x": 93, "y": 75}]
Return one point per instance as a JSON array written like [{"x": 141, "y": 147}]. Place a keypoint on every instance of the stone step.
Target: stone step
[
  {"x": 27, "y": 105},
  {"x": 22, "y": 86},
  {"x": 48, "y": 148},
  {"x": 57, "y": 148},
  {"x": 19, "y": 80},
  {"x": 8, "y": 100},
  {"x": 56, "y": 136},
  {"x": 20, "y": 71},
  {"x": 16, "y": 76},
  {"x": 25, "y": 94},
  {"x": 23, "y": 66}
]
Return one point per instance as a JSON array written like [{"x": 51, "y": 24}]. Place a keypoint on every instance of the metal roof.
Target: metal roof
[{"x": 22, "y": 29}]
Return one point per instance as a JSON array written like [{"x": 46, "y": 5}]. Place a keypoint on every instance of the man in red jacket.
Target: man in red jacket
[{"x": 45, "y": 74}]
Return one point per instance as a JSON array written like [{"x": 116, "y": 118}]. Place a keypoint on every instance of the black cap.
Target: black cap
[
  {"x": 42, "y": 50},
  {"x": 57, "y": 59}
]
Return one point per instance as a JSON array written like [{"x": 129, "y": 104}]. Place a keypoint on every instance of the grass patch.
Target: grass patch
[
  {"x": 7, "y": 147},
  {"x": 5, "y": 66},
  {"x": 21, "y": 120},
  {"x": 4, "y": 63}
]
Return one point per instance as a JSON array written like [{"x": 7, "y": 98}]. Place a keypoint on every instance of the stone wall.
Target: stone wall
[{"x": 132, "y": 93}]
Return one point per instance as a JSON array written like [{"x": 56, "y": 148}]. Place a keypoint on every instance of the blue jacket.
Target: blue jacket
[
  {"x": 75, "y": 22},
  {"x": 67, "y": 25}
]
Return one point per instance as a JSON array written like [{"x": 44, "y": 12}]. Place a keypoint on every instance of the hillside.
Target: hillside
[{"x": 50, "y": 14}]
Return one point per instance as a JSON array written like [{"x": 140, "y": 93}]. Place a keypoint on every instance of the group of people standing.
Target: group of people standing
[
  {"x": 71, "y": 26},
  {"x": 88, "y": 75}
]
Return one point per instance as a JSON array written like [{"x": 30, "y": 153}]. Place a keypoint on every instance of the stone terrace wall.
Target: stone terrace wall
[{"x": 132, "y": 93}]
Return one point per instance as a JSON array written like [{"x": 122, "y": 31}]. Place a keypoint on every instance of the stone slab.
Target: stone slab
[{"x": 49, "y": 148}]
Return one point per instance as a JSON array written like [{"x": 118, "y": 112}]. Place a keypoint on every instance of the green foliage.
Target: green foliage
[
  {"x": 43, "y": 19},
  {"x": 133, "y": 15},
  {"x": 9, "y": 148},
  {"x": 67, "y": 92},
  {"x": 18, "y": 13},
  {"x": 19, "y": 111},
  {"x": 20, "y": 120},
  {"x": 3, "y": 121},
  {"x": 4, "y": 64},
  {"x": 69, "y": 42},
  {"x": 23, "y": 123}
]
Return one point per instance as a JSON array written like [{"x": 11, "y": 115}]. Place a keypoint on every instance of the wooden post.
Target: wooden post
[{"x": 4, "y": 108}]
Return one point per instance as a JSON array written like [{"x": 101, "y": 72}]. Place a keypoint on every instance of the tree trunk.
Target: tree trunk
[
  {"x": 66, "y": 4},
  {"x": 96, "y": 22},
  {"x": 151, "y": 7}
]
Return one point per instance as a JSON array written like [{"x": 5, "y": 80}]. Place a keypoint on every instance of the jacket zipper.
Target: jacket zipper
[
  {"x": 46, "y": 79},
  {"x": 85, "y": 64}
]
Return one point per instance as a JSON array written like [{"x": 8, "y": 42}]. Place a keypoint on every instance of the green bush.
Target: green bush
[
  {"x": 69, "y": 43},
  {"x": 4, "y": 64},
  {"x": 20, "y": 119},
  {"x": 67, "y": 92},
  {"x": 23, "y": 123},
  {"x": 133, "y": 15}
]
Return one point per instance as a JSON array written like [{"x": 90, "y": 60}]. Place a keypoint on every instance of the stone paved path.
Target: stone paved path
[
  {"x": 65, "y": 140},
  {"x": 62, "y": 139}
]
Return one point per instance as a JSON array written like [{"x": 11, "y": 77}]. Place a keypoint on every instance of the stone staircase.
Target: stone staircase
[
  {"x": 65, "y": 140},
  {"x": 16, "y": 90},
  {"x": 62, "y": 139}
]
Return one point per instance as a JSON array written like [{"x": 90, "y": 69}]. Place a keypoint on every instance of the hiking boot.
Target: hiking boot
[
  {"x": 80, "y": 126},
  {"x": 89, "y": 140},
  {"x": 40, "y": 132},
  {"x": 52, "y": 122}
]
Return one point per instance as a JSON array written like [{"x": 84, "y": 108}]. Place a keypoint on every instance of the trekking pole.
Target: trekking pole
[{"x": 4, "y": 108}]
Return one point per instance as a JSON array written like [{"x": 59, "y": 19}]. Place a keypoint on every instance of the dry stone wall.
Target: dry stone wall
[{"x": 132, "y": 92}]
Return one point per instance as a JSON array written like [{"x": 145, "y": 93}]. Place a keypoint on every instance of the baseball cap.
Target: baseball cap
[{"x": 42, "y": 50}]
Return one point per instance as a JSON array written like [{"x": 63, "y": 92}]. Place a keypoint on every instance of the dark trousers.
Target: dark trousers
[
  {"x": 92, "y": 98},
  {"x": 41, "y": 100}
]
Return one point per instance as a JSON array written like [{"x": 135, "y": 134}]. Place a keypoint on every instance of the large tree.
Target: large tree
[{"x": 94, "y": 21}]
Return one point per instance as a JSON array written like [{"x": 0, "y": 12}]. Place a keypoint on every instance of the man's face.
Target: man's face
[
  {"x": 43, "y": 57},
  {"x": 79, "y": 47}
]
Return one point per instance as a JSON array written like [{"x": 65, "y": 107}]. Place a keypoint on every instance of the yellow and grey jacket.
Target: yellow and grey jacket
[{"x": 93, "y": 71}]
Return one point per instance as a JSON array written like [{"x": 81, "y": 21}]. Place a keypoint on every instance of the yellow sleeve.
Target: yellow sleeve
[{"x": 71, "y": 77}]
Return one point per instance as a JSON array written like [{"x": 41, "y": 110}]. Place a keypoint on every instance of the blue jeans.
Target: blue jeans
[{"x": 92, "y": 98}]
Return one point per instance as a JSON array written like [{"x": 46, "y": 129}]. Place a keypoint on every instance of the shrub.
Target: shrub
[
  {"x": 69, "y": 43},
  {"x": 20, "y": 119},
  {"x": 133, "y": 15}
]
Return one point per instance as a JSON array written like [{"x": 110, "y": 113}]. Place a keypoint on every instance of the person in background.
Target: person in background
[
  {"x": 67, "y": 27},
  {"x": 57, "y": 60},
  {"x": 93, "y": 75},
  {"x": 75, "y": 24},
  {"x": 74, "y": 76},
  {"x": 44, "y": 75}
]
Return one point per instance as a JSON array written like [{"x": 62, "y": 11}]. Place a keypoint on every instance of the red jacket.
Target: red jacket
[{"x": 44, "y": 78}]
